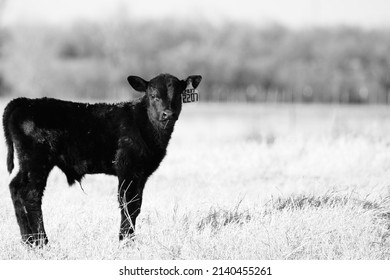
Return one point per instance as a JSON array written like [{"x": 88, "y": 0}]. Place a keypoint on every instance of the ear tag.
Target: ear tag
[{"x": 190, "y": 94}]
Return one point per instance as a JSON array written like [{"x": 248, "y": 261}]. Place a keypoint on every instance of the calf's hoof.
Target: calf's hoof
[
  {"x": 35, "y": 241},
  {"x": 126, "y": 236}
]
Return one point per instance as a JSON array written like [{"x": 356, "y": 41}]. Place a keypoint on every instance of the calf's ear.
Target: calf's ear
[
  {"x": 194, "y": 79},
  {"x": 137, "y": 83}
]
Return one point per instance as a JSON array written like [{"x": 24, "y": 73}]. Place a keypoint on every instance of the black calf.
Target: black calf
[{"x": 128, "y": 140}]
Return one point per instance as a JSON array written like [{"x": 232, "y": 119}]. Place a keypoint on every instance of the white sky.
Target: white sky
[{"x": 293, "y": 13}]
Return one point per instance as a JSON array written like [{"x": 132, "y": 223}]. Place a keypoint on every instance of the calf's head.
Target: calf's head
[{"x": 163, "y": 96}]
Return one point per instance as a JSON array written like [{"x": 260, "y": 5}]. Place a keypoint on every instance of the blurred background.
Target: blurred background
[{"x": 249, "y": 51}]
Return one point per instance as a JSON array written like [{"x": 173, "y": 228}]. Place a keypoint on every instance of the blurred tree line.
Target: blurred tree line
[
  {"x": 239, "y": 62},
  {"x": 2, "y": 33}
]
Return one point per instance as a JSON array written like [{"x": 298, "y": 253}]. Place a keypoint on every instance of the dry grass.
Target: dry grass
[{"x": 239, "y": 182}]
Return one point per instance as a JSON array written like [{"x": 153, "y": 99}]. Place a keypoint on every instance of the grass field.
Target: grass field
[{"x": 239, "y": 182}]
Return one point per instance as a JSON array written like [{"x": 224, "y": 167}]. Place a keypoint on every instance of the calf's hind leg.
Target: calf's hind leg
[{"x": 26, "y": 193}]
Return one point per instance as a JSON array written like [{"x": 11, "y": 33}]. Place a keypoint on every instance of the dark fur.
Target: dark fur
[{"x": 128, "y": 140}]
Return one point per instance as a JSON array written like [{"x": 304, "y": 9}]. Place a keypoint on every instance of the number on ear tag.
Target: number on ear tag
[{"x": 190, "y": 95}]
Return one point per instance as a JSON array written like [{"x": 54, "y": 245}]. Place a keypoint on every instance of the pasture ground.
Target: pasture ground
[{"x": 239, "y": 182}]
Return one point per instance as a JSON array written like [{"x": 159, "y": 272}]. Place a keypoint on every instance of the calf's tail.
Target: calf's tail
[{"x": 8, "y": 139}]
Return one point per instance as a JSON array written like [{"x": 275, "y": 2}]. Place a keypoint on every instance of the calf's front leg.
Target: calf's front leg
[{"x": 130, "y": 201}]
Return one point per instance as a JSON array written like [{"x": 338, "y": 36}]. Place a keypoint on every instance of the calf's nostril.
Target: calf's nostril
[{"x": 164, "y": 115}]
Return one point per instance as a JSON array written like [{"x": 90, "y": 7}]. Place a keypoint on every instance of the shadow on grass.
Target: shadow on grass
[
  {"x": 218, "y": 218},
  {"x": 302, "y": 202}
]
